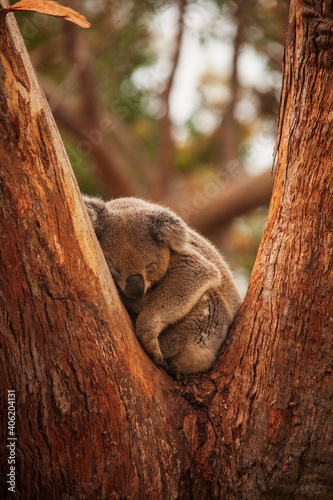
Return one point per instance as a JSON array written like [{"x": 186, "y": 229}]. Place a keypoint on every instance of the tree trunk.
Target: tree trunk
[
  {"x": 83, "y": 386},
  {"x": 94, "y": 417}
]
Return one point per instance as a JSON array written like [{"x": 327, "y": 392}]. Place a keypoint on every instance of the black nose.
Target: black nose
[{"x": 135, "y": 288}]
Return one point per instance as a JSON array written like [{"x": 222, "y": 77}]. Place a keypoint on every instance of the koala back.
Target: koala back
[{"x": 207, "y": 249}]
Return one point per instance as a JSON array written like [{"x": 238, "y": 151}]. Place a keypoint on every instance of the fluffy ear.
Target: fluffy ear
[
  {"x": 168, "y": 228},
  {"x": 98, "y": 214}
]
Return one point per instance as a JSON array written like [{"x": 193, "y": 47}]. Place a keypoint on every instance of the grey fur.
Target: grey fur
[{"x": 174, "y": 283}]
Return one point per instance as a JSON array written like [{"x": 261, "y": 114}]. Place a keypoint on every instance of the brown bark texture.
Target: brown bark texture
[{"x": 94, "y": 417}]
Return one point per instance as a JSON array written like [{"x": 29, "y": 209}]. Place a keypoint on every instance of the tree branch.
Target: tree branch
[
  {"x": 166, "y": 142},
  {"x": 227, "y": 131},
  {"x": 206, "y": 213},
  {"x": 117, "y": 151},
  {"x": 95, "y": 417}
]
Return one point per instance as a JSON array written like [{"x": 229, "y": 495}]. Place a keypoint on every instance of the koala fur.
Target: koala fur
[{"x": 176, "y": 286}]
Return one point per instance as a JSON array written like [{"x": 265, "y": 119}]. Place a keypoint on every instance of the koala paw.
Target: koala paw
[
  {"x": 153, "y": 349},
  {"x": 157, "y": 356}
]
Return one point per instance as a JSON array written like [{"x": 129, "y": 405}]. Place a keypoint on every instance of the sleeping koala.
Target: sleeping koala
[{"x": 176, "y": 286}]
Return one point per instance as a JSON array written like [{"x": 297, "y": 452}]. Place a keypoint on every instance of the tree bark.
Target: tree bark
[
  {"x": 277, "y": 377},
  {"x": 81, "y": 380},
  {"x": 94, "y": 417}
]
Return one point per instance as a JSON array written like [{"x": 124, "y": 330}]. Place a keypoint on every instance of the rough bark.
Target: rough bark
[
  {"x": 278, "y": 375},
  {"x": 82, "y": 383},
  {"x": 95, "y": 418}
]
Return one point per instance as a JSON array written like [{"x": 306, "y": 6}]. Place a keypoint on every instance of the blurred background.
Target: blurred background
[{"x": 172, "y": 101}]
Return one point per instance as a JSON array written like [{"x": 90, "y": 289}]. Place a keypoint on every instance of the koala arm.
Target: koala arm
[{"x": 187, "y": 279}]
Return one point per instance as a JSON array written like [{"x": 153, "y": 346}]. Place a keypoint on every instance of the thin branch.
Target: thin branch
[
  {"x": 166, "y": 141},
  {"x": 239, "y": 197},
  {"x": 107, "y": 162},
  {"x": 124, "y": 152},
  {"x": 80, "y": 60},
  {"x": 227, "y": 132},
  {"x": 175, "y": 59}
]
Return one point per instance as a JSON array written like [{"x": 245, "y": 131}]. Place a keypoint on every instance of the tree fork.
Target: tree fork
[{"x": 94, "y": 416}]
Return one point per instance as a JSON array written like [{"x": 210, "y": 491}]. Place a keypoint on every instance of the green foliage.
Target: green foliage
[{"x": 130, "y": 48}]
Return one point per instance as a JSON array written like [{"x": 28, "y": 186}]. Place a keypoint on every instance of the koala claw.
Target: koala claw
[
  {"x": 158, "y": 359},
  {"x": 154, "y": 350}
]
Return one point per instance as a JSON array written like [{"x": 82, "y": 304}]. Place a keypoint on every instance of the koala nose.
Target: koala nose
[{"x": 135, "y": 288}]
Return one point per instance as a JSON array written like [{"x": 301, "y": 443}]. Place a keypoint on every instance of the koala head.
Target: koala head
[{"x": 136, "y": 238}]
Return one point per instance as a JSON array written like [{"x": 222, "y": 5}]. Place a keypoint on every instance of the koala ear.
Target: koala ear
[
  {"x": 168, "y": 228},
  {"x": 97, "y": 212}
]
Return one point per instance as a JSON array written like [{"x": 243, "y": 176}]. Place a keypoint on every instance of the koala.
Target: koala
[{"x": 175, "y": 285}]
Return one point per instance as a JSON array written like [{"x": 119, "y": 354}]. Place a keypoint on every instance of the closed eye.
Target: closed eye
[{"x": 151, "y": 267}]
